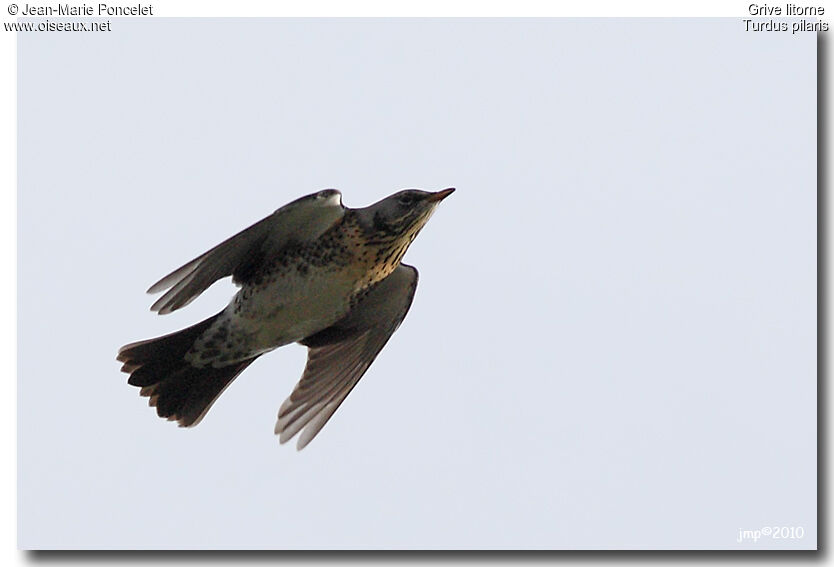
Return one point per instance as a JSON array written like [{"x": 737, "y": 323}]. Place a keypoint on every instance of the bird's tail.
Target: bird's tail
[{"x": 179, "y": 390}]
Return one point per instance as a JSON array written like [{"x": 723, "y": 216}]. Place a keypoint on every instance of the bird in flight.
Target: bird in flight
[{"x": 314, "y": 272}]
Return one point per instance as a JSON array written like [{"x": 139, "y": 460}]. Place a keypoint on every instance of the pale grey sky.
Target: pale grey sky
[{"x": 612, "y": 344}]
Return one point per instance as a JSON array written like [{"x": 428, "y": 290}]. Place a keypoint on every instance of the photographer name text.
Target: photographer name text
[{"x": 87, "y": 10}]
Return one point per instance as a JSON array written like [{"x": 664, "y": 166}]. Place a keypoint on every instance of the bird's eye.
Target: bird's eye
[{"x": 406, "y": 199}]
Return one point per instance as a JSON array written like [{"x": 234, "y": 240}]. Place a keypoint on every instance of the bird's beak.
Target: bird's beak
[{"x": 440, "y": 195}]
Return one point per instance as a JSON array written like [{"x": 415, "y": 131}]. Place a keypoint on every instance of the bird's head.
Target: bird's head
[{"x": 400, "y": 217}]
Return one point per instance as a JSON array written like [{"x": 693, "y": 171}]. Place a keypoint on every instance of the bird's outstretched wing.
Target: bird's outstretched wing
[
  {"x": 339, "y": 355},
  {"x": 303, "y": 219}
]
